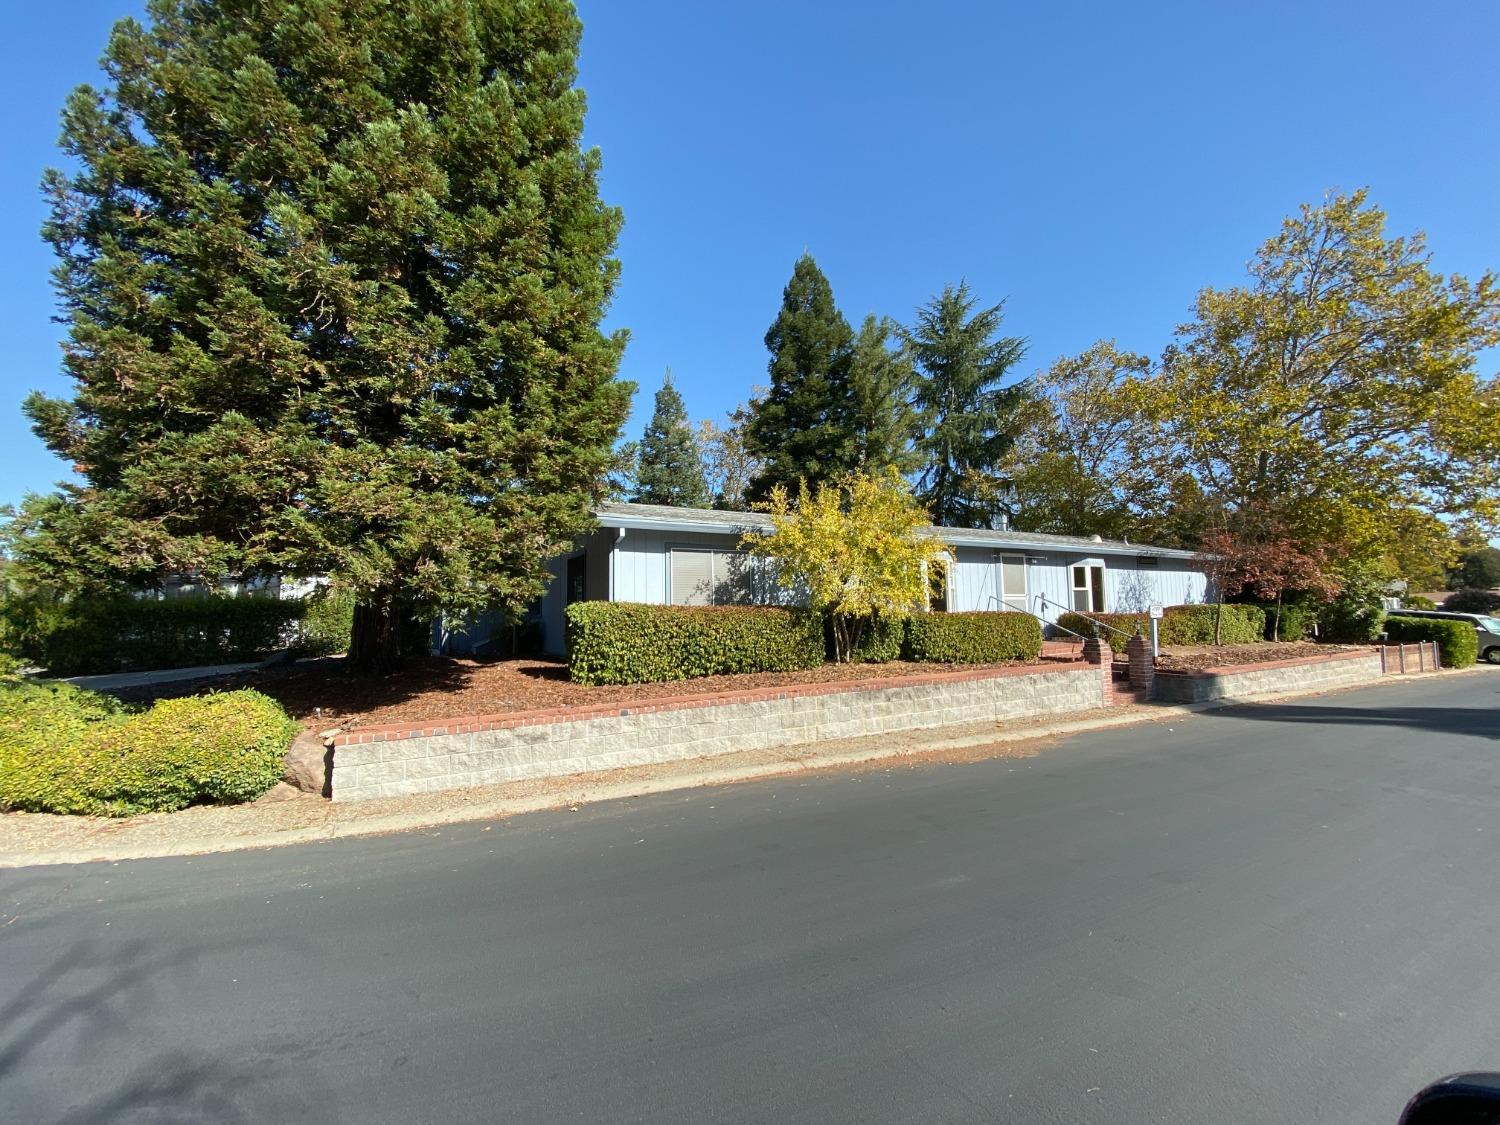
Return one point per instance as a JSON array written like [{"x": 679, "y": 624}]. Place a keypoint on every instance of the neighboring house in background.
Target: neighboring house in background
[{"x": 691, "y": 556}]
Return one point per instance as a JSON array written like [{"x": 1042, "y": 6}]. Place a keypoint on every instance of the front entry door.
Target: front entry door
[{"x": 573, "y": 592}]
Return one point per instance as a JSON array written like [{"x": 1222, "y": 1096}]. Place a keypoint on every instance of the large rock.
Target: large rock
[{"x": 309, "y": 765}]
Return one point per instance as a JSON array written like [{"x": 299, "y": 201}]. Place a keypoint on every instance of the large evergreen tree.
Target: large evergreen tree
[
  {"x": 335, "y": 271},
  {"x": 670, "y": 470},
  {"x": 969, "y": 420},
  {"x": 802, "y": 427},
  {"x": 880, "y": 389}
]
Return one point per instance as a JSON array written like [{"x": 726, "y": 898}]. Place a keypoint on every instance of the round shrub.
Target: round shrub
[{"x": 63, "y": 750}]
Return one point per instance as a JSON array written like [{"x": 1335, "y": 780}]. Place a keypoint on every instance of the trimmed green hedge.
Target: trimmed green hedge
[
  {"x": 1084, "y": 624},
  {"x": 125, "y": 634},
  {"x": 627, "y": 643},
  {"x": 1457, "y": 641},
  {"x": 882, "y": 641},
  {"x": 1180, "y": 625},
  {"x": 984, "y": 637},
  {"x": 64, "y": 750}
]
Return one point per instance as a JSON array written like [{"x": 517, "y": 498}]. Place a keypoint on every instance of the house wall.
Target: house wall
[
  {"x": 1128, "y": 586},
  {"x": 635, "y": 568}
]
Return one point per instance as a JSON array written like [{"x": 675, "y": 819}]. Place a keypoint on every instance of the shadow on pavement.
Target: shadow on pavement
[
  {"x": 1479, "y": 722},
  {"x": 88, "y": 1006}
]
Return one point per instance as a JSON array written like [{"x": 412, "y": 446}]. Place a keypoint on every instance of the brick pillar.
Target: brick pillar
[
  {"x": 1142, "y": 665},
  {"x": 1093, "y": 650}
]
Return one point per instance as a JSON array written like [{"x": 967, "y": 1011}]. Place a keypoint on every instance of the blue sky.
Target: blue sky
[{"x": 1093, "y": 164}]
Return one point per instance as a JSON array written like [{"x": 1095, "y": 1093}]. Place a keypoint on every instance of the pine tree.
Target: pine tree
[
  {"x": 670, "y": 470},
  {"x": 335, "y": 271},
  {"x": 969, "y": 421},
  {"x": 880, "y": 388},
  {"x": 802, "y": 428}
]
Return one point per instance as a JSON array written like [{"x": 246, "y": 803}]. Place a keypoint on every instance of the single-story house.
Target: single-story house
[{"x": 691, "y": 556}]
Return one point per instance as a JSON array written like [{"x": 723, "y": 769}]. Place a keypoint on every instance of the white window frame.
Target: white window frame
[{"x": 1096, "y": 597}]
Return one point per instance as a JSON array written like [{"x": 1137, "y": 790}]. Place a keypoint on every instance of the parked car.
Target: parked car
[{"x": 1487, "y": 627}]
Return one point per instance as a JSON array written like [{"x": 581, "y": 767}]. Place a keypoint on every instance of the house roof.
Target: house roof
[{"x": 661, "y": 517}]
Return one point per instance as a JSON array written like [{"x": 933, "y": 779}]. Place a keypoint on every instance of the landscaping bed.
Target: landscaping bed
[
  {"x": 1196, "y": 658},
  {"x": 321, "y": 695}
]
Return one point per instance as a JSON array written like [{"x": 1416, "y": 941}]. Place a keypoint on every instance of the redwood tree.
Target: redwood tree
[{"x": 334, "y": 272}]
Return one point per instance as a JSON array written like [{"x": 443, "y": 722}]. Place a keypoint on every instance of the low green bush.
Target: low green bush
[
  {"x": 1122, "y": 626},
  {"x": 881, "y": 642},
  {"x": 1457, "y": 641},
  {"x": 1299, "y": 620},
  {"x": 1354, "y": 616},
  {"x": 628, "y": 643},
  {"x": 1194, "y": 625},
  {"x": 325, "y": 623},
  {"x": 1179, "y": 625},
  {"x": 983, "y": 637},
  {"x": 1473, "y": 601},
  {"x": 64, "y": 750}
]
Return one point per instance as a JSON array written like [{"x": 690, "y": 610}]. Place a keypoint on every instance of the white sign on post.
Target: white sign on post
[{"x": 1157, "y": 613}]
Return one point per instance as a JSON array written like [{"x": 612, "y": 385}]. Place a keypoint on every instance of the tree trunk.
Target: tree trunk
[
  {"x": 375, "y": 638},
  {"x": 1219, "y": 622},
  {"x": 1276, "y": 627}
]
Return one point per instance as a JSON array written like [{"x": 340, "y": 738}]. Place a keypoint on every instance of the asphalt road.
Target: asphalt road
[{"x": 1283, "y": 913}]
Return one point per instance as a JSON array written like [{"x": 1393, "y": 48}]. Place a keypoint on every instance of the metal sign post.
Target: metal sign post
[{"x": 1156, "y": 613}]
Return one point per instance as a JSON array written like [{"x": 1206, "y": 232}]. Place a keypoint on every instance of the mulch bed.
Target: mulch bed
[
  {"x": 321, "y": 694},
  {"x": 1189, "y": 658}
]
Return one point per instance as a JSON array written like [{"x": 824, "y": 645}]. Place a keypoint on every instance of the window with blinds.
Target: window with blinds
[{"x": 702, "y": 576}]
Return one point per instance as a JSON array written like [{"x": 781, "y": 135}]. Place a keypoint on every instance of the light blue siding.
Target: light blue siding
[{"x": 639, "y": 561}]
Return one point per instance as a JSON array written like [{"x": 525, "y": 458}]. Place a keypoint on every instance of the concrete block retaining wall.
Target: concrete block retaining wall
[
  {"x": 483, "y": 750},
  {"x": 1274, "y": 677}
]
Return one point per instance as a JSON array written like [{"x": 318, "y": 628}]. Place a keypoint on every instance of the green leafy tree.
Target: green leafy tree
[
  {"x": 334, "y": 273},
  {"x": 859, "y": 548},
  {"x": 801, "y": 428},
  {"x": 1338, "y": 387},
  {"x": 728, "y": 464},
  {"x": 1078, "y": 467},
  {"x": 670, "y": 470},
  {"x": 1478, "y": 569},
  {"x": 884, "y": 422},
  {"x": 970, "y": 421}
]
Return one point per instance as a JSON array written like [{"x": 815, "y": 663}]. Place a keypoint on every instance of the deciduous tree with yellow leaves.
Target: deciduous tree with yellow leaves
[{"x": 858, "y": 548}]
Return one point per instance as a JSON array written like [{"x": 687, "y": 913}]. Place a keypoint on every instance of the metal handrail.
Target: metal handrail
[
  {"x": 1004, "y": 607},
  {"x": 1045, "y": 600}
]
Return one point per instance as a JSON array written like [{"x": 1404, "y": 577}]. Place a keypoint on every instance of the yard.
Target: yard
[{"x": 321, "y": 695}]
